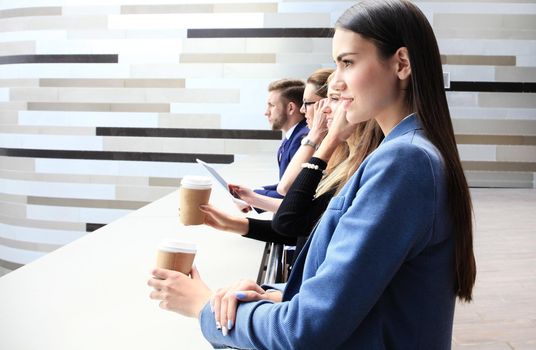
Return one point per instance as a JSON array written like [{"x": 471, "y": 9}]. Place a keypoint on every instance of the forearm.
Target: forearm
[
  {"x": 303, "y": 154},
  {"x": 264, "y": 202}
]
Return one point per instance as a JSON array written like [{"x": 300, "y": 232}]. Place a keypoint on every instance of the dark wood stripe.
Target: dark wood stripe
[
  {"x": 58, "y": 59},
  {"x": 261, "y": 33},
  {"x": 492, "y": 86},
  {"x": 90, "y": 227},
  {"x": 191, "y": 133},
  {"x": 131, "y": 156}
]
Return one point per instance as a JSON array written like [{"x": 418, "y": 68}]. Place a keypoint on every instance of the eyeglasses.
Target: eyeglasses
[{"x": 305, "y": 104}]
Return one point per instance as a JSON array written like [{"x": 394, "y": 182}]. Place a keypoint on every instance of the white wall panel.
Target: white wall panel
[
  {"x": 70, "y": 214},
  {"x": 19, "y": 256},
  {"x": 65, "y": 70},
  {"x": 73, "y": 118},
  {"x": 478, "y": 152},
  {"x": 58, "y": 142},
  {"x": 37, "y": 235},
  {"x": 57, "y": 189},
  {"x": 190, "y": 20}
]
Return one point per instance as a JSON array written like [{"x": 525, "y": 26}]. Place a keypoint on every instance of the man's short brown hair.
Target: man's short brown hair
[{"x": 291, "y": 90}]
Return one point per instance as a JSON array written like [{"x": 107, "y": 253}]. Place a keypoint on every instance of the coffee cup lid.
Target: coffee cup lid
[
  {"x": 196, "y": 182},
  {"x": 174, "y": 246}
]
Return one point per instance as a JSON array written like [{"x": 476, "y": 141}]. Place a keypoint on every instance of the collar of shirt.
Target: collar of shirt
[{"x": 289, "y": 132}]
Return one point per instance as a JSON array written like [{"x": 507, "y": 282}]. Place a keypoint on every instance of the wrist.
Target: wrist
[{"x": 308, "y": 141}]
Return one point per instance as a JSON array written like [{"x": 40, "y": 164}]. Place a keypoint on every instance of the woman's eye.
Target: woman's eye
[{"x": 346, "y": 63}]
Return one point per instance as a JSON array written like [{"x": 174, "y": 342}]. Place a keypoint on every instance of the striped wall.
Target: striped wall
[{"x": 104, "y": 105}]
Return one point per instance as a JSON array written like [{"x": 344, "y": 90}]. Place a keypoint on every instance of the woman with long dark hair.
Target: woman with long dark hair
[{"x": 393, "y": 250}]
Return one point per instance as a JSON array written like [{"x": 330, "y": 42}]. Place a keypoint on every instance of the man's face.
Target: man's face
[{"x": 276, "y": 111}]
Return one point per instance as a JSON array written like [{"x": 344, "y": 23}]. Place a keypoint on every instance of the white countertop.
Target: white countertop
[{"x": 92, "y": 293}]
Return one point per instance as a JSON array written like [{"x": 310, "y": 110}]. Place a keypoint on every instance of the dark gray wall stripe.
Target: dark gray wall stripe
[
  {"x": 261, "y": 33},
  {"x": 132, "y": 156},
  {"x": 58, "y": 59},
  {"x": 191, "y": 133},
  {"x": 90, "y": 227},
  {"x": 492, "y": 86}
]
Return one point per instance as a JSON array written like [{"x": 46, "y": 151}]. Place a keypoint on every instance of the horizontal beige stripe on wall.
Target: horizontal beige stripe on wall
[
  {"x": 44, "y": 224},
  {"x": 494, "y": 127},
  {"x": 98, "y": 107},
  {"x": 30, "y": 11},
  {"x": 86, "y": 203},
  {"x": 123, "y": 95},
  {"x": 17, "y": 48},
  {"x": 109, "y": 83},
  {"x": 199, "y": 8},
  {"x": 478, "y": 60},
  {"x": 513, "y": 100},
  {"x": 499, "y": 166},
  {"x": 47, "y": 130},
  {"x": 19, "y": 82},
  {"x": 37, "y": 247},
  {"x": 495, "y": 140},
  {"x": 499, "y": 179}
]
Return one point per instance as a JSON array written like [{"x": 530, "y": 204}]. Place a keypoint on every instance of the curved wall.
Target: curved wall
[{"x": 105, "y": 105}]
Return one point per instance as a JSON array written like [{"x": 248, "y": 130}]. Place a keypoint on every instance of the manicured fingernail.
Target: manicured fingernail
[
  {"x": 230, "y": 324},
  {"x": 240, "y": 295},
  {"x": 218, "y": 325},
  {"x": 224, "y": 331}
]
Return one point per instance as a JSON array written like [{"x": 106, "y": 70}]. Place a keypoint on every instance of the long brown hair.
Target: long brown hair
[{"x": 390, "y": 25}]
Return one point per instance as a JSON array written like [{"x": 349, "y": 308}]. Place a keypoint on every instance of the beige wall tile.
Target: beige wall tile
[
  {"x": 8, "y": 118},
  {"x": 245, "y": 7},
  {"x": 164, "y": 182},
  {"x": 227, "y": 58},
  {"x": 13, "y": 210},
  {"x": 499, "y": 179},
  {"x": 71, "y": 178},
  {"x": 516, "y": 154},
  {"x": 13, "y": 106},
  {"x": 494, "y": 127},
  {"x": 48, "y": 130},
  {"x": 514, "y": 100},
  {"x": 220, "y": 45},
  {"x": 19, "y": 82},
  {"x": 36, "y": 247},
  {"x": 499, "y": 166},
  {"x": 12, "y": 198},
  {"x": 509, "y": 74},
  {"x": 495, "y": 140},
  {"x": 485, "y": 21},
  {"x": 479, "y": 60},
  {"x": 99, "y": 107},
  {"x": 54, "y": 22},
  {"x": 303, "y": 58},
  {"x": 166, "y": 9},
  {"x": 251, "y": 146},
  {"x": 196, "y": 121},
  {"x": 86, "y": 203},
  {"x": 493, "y": 34},
  {"x": 140, "y": 107},
  {"x": 53, "y": 225},
  {"x": 30, "y": 11},
  {"x": 278, "y": 45},
  {"x": 292, "y": 20},
  {"x": 193, "y": 95},
  {"x": 163, "y": 144},
  {"x": 16, "y": 163},
  {"x": 33, "y": 94},
  {"x": 17, "y": 48},
  {"x": 81, "y": 82},
  {"x": 155, "y": 83},
  {"x": 148, "y": 194}
]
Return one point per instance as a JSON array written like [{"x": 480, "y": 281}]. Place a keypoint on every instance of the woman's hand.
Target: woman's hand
[
  {"x": 225, "y": 302},
  {"x": 319, "y": 127},
  {"x": 223, "y": 221},
  {"x": 178, "y": 292}
]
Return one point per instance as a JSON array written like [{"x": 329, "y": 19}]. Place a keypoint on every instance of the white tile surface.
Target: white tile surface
[
  {"x": 185, "y": 70},
  {"x": 38, "y": 35},
  {"x": 70, "y": 214},
  {"x": 478, "y": 152},
  {"x": 57, "y": 189},
  {"x": 65, "y": 70},
  {"x": 72, "y": 118},
  {"x": 4, "y": 94},
  {"x": 190, "y": 20},
  {"x": 19, "y": 256},
  {"x": 38, "y": 235},
  {"x": 52, "y": 142},
  {"x": 462, "y": 99},
  {"x": 470, "y": 72}
]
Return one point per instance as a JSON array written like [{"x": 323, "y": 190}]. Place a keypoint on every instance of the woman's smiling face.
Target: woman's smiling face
[{"x": 369, "y": 83}]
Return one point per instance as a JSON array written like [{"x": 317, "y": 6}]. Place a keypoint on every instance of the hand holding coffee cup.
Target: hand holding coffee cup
[
  {"x": 194, "y": 191},
  {"x": 176, "y": 255}
]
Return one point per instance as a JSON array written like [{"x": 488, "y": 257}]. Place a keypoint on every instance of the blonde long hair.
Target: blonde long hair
[{"x": 349, "y": 156}]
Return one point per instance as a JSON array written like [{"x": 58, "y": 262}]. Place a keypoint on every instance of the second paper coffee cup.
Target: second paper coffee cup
[
  {"x": 194, "y": 191},
  {"x": 176, "y": 255}
]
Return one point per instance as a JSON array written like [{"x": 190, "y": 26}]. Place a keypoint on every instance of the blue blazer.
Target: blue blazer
[
  {"x": 290, "y": 148},
  {"x": 377, "y": 272}
]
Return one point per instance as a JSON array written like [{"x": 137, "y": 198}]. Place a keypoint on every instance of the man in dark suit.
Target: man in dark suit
[{"x": 283, "y": 112}]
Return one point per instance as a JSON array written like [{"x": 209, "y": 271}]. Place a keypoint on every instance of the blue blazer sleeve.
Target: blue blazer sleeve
[
  {"x": 269, "y": 191},
  {"x": 380, "y": 219}
]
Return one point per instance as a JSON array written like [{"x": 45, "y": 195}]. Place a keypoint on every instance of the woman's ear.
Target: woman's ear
[{"x": 403, "y": 64}]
